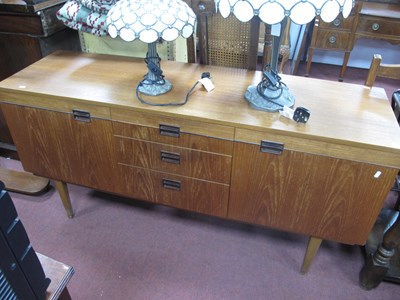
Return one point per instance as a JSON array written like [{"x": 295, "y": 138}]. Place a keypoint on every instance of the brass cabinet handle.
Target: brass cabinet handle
[
  {"x": 169, "y": 157},
  {"x": 171, "y": 184},
  {"x": 375, "y": 26},
  {"x": 271, "y": 147},
  {"x": 332, "y": 39},
  {"x": 336, "y": 22}
]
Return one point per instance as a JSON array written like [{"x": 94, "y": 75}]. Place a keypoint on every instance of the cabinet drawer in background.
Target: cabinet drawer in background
[
  {"x": 334, "y": 40},
  {"x": 172, "y": 159},
  {"x": 41, "y": 23},
  {"x": 181, "y": 139},
  {"x": 371, "y": 25},
  {"x": 173, "y": 190},
  {"x": 339, "y": 23}
]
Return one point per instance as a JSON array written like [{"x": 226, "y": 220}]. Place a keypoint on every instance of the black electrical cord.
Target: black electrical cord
[
  {"x": 270, "y": 81},
  {"x": 164, "y": 104}
]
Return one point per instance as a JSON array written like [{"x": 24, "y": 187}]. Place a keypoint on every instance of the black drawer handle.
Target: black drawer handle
[
  {"x": 171, "y": 184},
  {"x": 169, "y": 130},
  {"x": 169, "y": 157},
  {"x": 271, "y": 147},
  {"x": 81, "y": 115}
]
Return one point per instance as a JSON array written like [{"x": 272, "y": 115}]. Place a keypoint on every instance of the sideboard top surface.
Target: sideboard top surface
[
  {"x": 341, "y": 113},
  {"x": 384, "y": 10}
]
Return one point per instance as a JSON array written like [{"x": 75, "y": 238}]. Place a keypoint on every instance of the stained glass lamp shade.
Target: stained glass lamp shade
[
  {"x": 271, "y": 94},
  {"x": 150, "y": 21}
]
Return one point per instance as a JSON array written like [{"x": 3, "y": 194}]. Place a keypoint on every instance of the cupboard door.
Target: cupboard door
[
  {"x": 54, "y": 145},
  {"x": 320, "y": 196}
]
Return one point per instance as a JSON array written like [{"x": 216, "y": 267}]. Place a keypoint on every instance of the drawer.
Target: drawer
[
  {"x": 331, "y": 148},
  {"x": 339, "y": 23},
  {"x": 378, "y": 26},
  {"x": 184, "y": 124},
  {"x": 172, "y": 159},
  {"x": 43, "y": 23},
  {"x": 81, "y": 109},
  {"x": 172, "y": 190},
  {"x": 173, "y": 135},
  {"x": 334, "y": 40}
]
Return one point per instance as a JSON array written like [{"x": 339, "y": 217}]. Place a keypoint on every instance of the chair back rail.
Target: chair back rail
[{"x": 377, "y": 69}]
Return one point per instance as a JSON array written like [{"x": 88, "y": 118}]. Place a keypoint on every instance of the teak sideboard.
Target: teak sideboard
[{"x": 75, "y": 118}]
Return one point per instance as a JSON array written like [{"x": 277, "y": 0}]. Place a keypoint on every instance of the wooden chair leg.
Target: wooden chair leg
[
  {"x": 312, "y": 249},
  {"x": 309, "y": 61},
  {"x": 377, "y": 264},
  {"x": 344, "y": 66},
  {"x": 64, "y": 195}
]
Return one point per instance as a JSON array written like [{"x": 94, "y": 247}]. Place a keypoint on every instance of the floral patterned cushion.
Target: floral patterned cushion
[{"x": 86, "y": 15}]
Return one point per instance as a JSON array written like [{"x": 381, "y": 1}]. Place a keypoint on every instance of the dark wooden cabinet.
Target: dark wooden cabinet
[
  {"x": 28, "y": 32},
  {"x": 368, "y": 20}
]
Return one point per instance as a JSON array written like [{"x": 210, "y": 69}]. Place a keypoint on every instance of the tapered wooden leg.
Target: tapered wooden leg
[
  {"x": 344, "y": 66},
  {"x": 309, "y": 61},
  {"x": 312, "y": 248},
  {"x": 62, "y": 190}
]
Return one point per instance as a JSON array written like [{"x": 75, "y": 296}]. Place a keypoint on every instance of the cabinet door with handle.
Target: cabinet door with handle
[
  {"x": 305, "y": 193},
  {"x": 71, "y": 147}
]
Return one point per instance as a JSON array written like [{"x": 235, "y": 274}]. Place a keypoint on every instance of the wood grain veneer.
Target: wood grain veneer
[
  {"x": 186, "y": 126},
  {"x": 325, "y": 148},
  {"x": 329, "y": 182},
  {"x": 194, "y": 195},
  {"x": 14, "y": 180},
  {"x": 361, "y": 115},
  {"x": 329, "y": 40},
  {"x": 56, "y": 146},
  {"x": 339, "y": 23},
  {"x": 187, "y": 140},
  {"x": 387, "y": 28},
  {"x": 320, "y": 196},
  {"x": 192, "y": 163}
]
